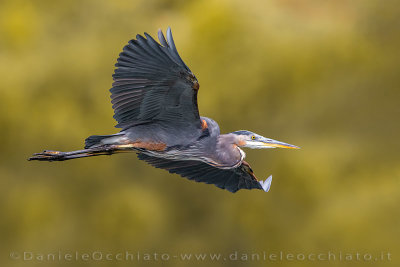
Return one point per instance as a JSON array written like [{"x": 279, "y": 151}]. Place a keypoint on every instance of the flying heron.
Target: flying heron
[{"x": 154, "y": 97}]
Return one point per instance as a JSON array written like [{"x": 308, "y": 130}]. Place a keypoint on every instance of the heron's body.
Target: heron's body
[
  {"x": 154, "y": 97},
  {"x": 205, "y": 144}
]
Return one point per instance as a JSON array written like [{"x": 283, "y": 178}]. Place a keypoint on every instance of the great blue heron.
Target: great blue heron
[{"x": 154, "y": 97}]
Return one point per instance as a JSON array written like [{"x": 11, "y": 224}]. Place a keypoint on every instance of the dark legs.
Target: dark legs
[{"x": 49, "y": 155}]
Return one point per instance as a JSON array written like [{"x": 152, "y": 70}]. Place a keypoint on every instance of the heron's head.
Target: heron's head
[{"x": 253, "y": 140}]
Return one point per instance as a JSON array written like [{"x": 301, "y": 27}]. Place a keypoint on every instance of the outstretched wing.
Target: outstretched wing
[
  {"x": 152, "y": 83},
  {"x": 232, "y": 180}
]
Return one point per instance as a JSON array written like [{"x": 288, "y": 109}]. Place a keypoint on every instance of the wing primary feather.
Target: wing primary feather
[
  {"x": 156, "y": 48},
  {"x": 145, "y": 45},
  {"x": 173, "y": 48},
  {"x": 170, "y": 39},
  {"x": 162, "y": 38}
]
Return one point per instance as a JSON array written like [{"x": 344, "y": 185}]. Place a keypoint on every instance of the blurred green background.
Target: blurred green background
[{"x": 323, "y": 75}]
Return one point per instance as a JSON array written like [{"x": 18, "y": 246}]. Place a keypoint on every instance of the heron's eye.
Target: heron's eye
[{"x": 253, "y": 137}]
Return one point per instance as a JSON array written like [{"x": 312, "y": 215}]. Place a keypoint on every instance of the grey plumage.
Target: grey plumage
[{"x": 154, "y": 97}]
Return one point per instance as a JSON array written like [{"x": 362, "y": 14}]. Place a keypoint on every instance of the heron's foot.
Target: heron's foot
[{"x": 48, "y": 155}]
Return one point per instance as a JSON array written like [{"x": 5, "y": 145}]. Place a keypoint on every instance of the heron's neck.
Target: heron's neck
[{"x": 228, "y": 151}]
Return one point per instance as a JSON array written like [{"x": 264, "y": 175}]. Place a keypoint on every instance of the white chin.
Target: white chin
[
  {"x": 263, "y": 147},
  {"x": 258, "y": 145}
]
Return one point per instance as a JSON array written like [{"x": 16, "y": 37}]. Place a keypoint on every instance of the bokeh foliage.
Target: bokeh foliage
[{"x": 323, "y": 75}]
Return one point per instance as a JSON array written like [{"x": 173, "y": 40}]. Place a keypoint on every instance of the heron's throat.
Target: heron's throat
[{"x": 242, "y": 153}]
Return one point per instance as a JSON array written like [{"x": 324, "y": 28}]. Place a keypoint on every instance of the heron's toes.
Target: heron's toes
[{"x": 46, "y": 155}]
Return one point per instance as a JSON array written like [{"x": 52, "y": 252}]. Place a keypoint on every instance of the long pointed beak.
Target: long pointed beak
[{"x": 271, "y": 143}]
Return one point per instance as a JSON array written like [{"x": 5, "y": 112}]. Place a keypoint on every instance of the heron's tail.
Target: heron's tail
[{"x": 99, "y": 140}]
